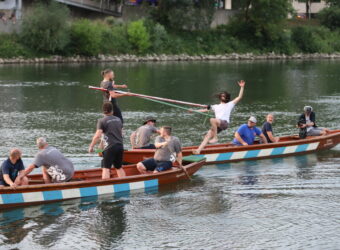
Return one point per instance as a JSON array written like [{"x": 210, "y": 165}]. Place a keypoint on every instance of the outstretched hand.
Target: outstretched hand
[{"x": 241, "y": 83}]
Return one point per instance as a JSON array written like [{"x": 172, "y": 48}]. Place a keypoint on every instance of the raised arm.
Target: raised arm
[
  {"x": 240, "y": 95},
  {"x": 95, "y": 139}
]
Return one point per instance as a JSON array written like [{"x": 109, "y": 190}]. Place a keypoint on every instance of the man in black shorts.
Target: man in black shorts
[
  {"x": 168, "y": 151},
  {"x": 111, "y": 127}
]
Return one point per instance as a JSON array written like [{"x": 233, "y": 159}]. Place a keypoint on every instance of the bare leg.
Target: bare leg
[
  {"x": 46, "y": 176},
  {"x": 203, "y": 144},
  {"x": 214, "y": 124},
  {"x": 105, "y": 173},
  {"x": 24, "y": 181},
  {"x": 141, "y": 168},
  {"x": 120, "y": 172}
]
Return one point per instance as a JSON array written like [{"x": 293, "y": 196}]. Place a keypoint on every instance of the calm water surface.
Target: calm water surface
[{"x": 290, "y": 203}]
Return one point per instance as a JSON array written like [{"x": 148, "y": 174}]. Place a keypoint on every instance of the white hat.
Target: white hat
[{"x": 252, "y": 119}]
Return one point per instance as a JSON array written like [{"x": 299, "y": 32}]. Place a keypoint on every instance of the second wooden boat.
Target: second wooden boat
[{"x": 223, "y": 153}]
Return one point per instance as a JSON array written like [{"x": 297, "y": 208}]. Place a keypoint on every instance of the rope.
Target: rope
[{"x": 176, "y": 106}]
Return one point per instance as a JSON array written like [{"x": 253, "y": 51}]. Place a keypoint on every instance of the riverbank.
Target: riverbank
[{"x": 162, "y": 58}]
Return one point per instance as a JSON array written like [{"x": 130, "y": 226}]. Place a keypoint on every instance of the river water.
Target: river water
[{"x": 289, "y": 203}]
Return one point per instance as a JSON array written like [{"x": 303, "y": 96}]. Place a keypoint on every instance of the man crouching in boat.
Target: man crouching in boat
[
  {"x": 111, "y": 126},
  {"x": 222, "y": 114},
  {"x": 140, "y": 139},
  {"x": 167, "y": 148},
  {"x": 10, "y": 169},
  {"x": 56, "y": 167}
]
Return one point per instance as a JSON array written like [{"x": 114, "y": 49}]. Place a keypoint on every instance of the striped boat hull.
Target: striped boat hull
[{"x": 224, "y": 153}]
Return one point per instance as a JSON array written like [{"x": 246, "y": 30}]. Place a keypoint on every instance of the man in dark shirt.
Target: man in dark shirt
[
  {"x": 267, "y": 129},
  {"x": 111, "y": 95},
  {"x": 307, "y": 121},
  {"x": 111, "y": 127},
  {"x": 10, "y": 169}
]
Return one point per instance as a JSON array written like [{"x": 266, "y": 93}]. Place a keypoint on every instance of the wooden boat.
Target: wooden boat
[
  {"x": 87, "y": 183},
  {"x": 223, "y": 153}
]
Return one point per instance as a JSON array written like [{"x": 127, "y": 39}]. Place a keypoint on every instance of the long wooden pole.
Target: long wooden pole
[{"x": 153, "y": 97}]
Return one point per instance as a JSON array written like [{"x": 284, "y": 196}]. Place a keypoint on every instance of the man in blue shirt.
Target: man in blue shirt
[
  {"x": 246, "y": 133},
  {"x": 10, "y": 168}
]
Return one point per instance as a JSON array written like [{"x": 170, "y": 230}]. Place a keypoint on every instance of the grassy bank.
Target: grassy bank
[{"x": 46, "y": 33}]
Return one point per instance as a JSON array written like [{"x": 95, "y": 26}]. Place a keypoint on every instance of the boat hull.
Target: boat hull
[
  {"x": 224, "y": 153},
  {"x": 88, "y": 183}
]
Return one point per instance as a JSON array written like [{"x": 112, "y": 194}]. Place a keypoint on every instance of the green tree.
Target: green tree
[
  {"x": 86, "y": 37},
  {"x": 138, "y": 36},
  {"x": 261, "y": 21},
  {"x": 46, "y": 27},
  {"x": 185, "y": 14}
]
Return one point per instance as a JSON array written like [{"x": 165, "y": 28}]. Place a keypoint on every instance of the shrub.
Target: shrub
[
  {"x": 86, "y": 38},
  {"x": 158, "y": 36},
  {"x": 115, "y": 40},
  {"x": 330, "y": 17},
  {"x": 10, "y": 47},
  {"x": 45, "y": 28},
  {"x": 138, "y": 36},
  {"x": 312, "y": 39}
]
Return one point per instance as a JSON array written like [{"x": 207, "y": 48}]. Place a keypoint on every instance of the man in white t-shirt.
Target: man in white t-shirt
[{"x": 222, "y": 116}]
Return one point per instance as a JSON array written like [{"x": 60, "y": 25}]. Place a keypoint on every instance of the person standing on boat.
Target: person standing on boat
[
  {"x": 111, "y": 127},
  {"x": 168, "y": 150},
  {"x": 222, "y": 116},
  {"x": 246, "y": 133},
  {"x": 56, "y": 168},
  {"x": 267, "y": 129},
  {"x": 10, "y": 169},
  {"x": 140, "y": 139},
  {"x": 307, "y": 121},
  {"x": 108, "y": 83}
]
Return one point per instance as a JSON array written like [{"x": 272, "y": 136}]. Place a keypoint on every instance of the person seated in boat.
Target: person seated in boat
[
  {"x": 222, "y": 116},
  {"x": 10, "y": 169},
  {"x": 111, "y": 96},
  {"x": 307, "y": 121},
  {"x": 140, "y": 139},
  {"x": 168, "y": 150},
  {"x": 246, "y": 133},
  {"x": 56, "y": 168},
  {"x": 267, "y": 129},
  {"x": 111, "y": 127}
]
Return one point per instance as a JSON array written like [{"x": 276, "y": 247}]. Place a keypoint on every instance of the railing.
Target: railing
[{"x": 110, "y": 7}]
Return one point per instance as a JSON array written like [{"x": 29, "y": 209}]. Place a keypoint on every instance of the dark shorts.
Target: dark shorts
[
  {"x": 113, "y": 156},
  {"x": 151, "y": 146},
  {"x": 151, "y": 164},
  {"x": 223, "y": 126}
]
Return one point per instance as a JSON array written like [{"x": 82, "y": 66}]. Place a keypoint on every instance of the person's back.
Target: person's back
[
  {"x": 112, "y": 129},
  {"x": 143, "y": 136},
  {"x": 58, "y": 166}
]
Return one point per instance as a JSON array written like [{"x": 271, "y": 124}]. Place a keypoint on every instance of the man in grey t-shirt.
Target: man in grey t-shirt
[
  {"x": 56, "y": 167},
  {"x": 168, "y": 151},
  {"x": 140, "y": 139}
]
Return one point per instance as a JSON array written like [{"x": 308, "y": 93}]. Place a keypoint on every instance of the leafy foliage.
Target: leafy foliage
[
  {"x": 185, "y": 14},
  {"x": 138, "y": 36},
  {"x": 330, "y": 17},
  {"x": 86, "y": 38},
  {"x": 10, "y": 47},
  {"x": 46, "y": 28}
]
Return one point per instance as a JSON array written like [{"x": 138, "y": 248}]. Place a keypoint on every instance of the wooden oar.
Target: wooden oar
[
  {"x": 186, "y": 173},
  {"x": 153, "y": 97}
]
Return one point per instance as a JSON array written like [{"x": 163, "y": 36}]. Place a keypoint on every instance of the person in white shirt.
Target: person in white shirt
[{"x": 222, "y": 116}]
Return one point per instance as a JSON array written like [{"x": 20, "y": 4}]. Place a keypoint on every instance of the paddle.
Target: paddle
[
  {"x": 153, "y": 97},
  {"x": 186, "y": 172}
]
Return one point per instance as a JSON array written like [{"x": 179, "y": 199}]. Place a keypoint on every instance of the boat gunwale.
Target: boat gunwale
[{"x": 99, "y": 182}]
